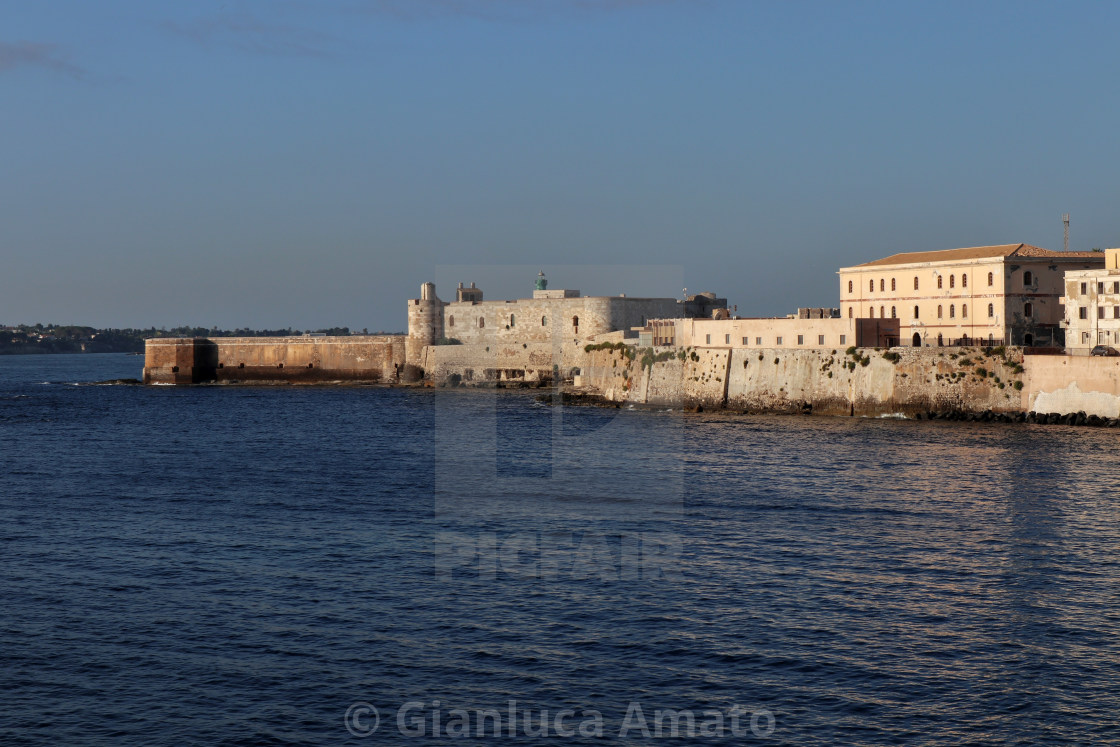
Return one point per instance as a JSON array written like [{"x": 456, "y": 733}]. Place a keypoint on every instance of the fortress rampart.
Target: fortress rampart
[{"x": 274, "y": 360}]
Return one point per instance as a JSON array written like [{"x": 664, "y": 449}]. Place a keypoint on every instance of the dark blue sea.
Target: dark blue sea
[{"x": 275, "y": 566}]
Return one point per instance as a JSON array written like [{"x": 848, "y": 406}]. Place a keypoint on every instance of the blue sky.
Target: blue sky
[{"x": 310, "y": 163}]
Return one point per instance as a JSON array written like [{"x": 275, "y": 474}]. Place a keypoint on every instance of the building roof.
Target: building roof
[{"x": 1003, "y": 251}]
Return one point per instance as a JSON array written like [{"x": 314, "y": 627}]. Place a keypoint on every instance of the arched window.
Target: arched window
[
  {"x": 952, "y": 281},
  {"x": 511, "y": 320},
  {"x": 481, "y": 322},
  {"x": 938, "y": 281},
  {"x": 849, "y": 286},
  {"x": 451, "y": 321},
  {"x": 915, "y": 312},
  {"x": 849, "y": 312},
  {"x": 1028, "y": 278},
  {"x": 964, "y": 311},
  {"x": 882, "y": 285},
  {"x": 991, "y": 311},
  {"x": 881, "y": 312},
  {"x": 964, "y": 281},
  {"x": 871, "y": 312},
  {"x": 575, "y": 322},
  {"x": 991, "y": 279},
  {"x": 871, "y": 286},
  {"x": 892, "y": 284},
  {"x": 915, "y": 282},
  {"x": 1028, "y": 309},
  {"x": 952, "y": 311},
  {"x": 894, "y": 314},
  {"x": 544, "y": 321},
  {"x": 938, "y": 311}
]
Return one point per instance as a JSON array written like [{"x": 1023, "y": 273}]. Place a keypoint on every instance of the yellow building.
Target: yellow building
[{"x": 1008, "y": 294}]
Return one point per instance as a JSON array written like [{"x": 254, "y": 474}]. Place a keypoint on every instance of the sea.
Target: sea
[{"x": 221, "y": 565}]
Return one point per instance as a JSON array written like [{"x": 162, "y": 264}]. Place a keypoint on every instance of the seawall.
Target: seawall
[{"x": 274, "y": 360}]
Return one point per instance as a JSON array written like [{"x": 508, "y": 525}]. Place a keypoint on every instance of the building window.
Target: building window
[
  {"x": 820, "y": 339},
  {"x": 544, "y": 321},
  {"x": 707, "y": 339},
  {"x": 451, "y": 321},
  {"x": 1116, "y": 287},
  {"x": 915, "y": 312},
  {"x": 991, "y": 311},
  {"x": 892, "y": 284},
  {"x": 1116, "y": 312},
  {"x": 1084, "y": 289},
  {"x": 1100, "y": 312},
  {"x": 575, "y": 322},
  {"x": 849, "y": 312},
  {"x": 779, "y": 341},
  {"x": 843, "y": 339},
  {"x": 964, "y": 281},
  {"x": 1028, "y": 278},
  {"x": 991, "y": 280},
  {"x": 849, "y": 286},
  {"x": 871, "y": 312},
  {"x": 1028, "y": 309},
  {"x": 964, "y": 311},
  {"x": 1100, "y": 287},
  {"x": 882, "y": 285},
  {"x": 938, "y": 281},
  {"x": 758, "y": 341},
  {"x": 939, "y": 311},
  {"x": 952, "y": 281},
  {"x": 1083, "y": 313},
  {"x": 511, "y": 320},
  {"x": 871, "y": 286},
  {"x": 915, "y": 282},
  {"x": 481, "y": 322},
  {"x": 882, "y": 315},
  {"x": 952, "y": 311},
  {"x": 746, "y": 341},
  {"x": 894, "y": 314},
  {"x": 801, "y": 339},
  {"x": 727, "y": 339}
]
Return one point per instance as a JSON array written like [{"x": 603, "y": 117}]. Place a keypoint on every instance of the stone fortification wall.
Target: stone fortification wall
[
  {"x": 297, "y": 360},
  {"x": 820, "y": 381},
  {"x": 1069, "y": 384}
]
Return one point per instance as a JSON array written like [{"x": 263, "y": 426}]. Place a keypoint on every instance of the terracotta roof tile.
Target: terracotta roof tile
[{"x": 978, "y": 252}]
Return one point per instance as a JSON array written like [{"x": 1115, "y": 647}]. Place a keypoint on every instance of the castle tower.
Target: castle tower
[{"x": 425, "y": 324}]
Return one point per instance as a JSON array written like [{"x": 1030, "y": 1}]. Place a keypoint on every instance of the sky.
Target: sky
[{"x": 309, "y": 163}]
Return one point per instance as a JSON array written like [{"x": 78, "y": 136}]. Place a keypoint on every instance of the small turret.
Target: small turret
[
  {"x": 542, "y": 281},
  {"x": 425, "y": 324}
]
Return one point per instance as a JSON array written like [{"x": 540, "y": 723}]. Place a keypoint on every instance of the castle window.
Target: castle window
[
  {"x": 991, "y": 311},
  {"x": 991, "y": 280},
  {"x": 575, "y": 323},
  {"x": 820, "y": 339},
  {"x": 779, "y": 341},
  {"x": 892, "y": 284},
  {"x": 544, "y": 321},
  {"x": 915, "y": 282},
  {"x": 964, "y": 281},
  {"x": 451, "y": 321},
  {"x": 938, "y": 281},
  {"x": 1028, "y": 309},
  {"x": 952, "y": 311},
  {"x": 727, "y": 339},
  {"x": 894, "y": 314},
  {"x": 481, "y": 322},
  {"x": 952, "y": 281},
  {"x": 511, "y": 320},
  {"x": 915, "y": 312},
  {"x": 964, "y": 311},
  {"x": 939, "y": 314},
  {"x": 801, "y": 339},
  {"x": 849, "y": 286},
  {"x": 1028, "y": 278}
]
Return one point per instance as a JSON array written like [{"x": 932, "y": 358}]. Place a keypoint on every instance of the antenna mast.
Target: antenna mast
[{"x": 1065, "y": 222}]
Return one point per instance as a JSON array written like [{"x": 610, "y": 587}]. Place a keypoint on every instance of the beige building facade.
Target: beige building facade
[
  {"x": 783, "y": 332},
  {"x": 1092, "y": 306},
  {"x": 1007, "y": 294}
]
